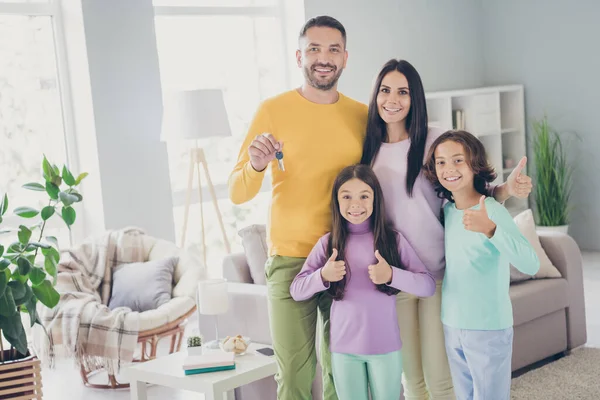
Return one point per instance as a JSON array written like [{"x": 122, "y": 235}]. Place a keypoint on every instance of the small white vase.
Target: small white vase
[
  {"x": 559, "y": 229},
  {"x": 194, "y": 351}
]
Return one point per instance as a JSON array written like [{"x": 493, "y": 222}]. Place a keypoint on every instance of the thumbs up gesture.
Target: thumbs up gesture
[
  {"x": 518, "y": 184},
  {"x": 334, "y": 270},
  {"x": 380, "y": 272},
  {"x": 478, "y": 220}
]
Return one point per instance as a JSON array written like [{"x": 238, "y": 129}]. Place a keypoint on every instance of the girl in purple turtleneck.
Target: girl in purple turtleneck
[{"x": 363, "y": 263}]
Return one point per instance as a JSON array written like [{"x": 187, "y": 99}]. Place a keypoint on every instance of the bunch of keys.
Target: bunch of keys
[{"x": 279, "y": 157}]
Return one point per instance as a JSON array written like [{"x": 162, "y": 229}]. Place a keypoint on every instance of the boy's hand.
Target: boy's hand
[
  {"x": 380, "y": 272},
  {"x": 333, "y": 271},
  {"x": 518, "y": 184},
  {"x": 478, "y": 220}
]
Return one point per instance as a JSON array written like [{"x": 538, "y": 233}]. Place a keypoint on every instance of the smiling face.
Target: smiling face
[
  {"x": 322, "y": 57},
  {"x": 451, "y": 167},
  {"x": 356, "y": 201},
  {"x": 393, "y": 98}
]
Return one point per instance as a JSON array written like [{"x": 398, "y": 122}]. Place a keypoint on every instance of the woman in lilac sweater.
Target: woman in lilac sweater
[
  {"x": 396, "y": 142},
  {"x": 363, "y": 263}
]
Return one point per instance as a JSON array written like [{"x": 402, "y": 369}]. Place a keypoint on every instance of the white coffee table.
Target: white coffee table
[{"x": 167, "y": 371}]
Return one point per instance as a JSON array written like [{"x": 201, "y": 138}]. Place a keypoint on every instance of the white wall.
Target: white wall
[
  {"x": 440, "y": 38},
  {"x": 551, "y": 46},
  {"x": 126, "y": 95}
]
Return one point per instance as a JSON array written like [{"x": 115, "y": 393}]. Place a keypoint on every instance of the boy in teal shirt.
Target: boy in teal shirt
[{"x": 481, "y": 242}]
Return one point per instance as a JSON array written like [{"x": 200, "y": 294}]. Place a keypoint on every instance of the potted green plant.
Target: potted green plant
[
  {"x": 552, "y": 178},
  {"x": 194, "y": 345},
  {"x": 28, "y": 273}
]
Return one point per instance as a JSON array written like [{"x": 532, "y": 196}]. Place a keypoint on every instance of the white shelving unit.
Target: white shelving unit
[{"x": 496, "y": 115}]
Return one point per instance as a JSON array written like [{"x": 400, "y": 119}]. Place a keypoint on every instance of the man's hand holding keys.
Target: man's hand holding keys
[
  {"x": 333, "y": 271},
  {"x": 262, "y": 151}
]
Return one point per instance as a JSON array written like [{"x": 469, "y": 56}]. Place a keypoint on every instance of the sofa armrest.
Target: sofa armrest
[
  {"x": 236, "y": 269},
  {"x": 566, "y": 257},
  {"x": 248, "y": 314}
]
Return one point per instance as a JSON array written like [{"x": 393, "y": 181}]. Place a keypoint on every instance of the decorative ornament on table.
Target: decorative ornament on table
[
  {"x": 194, "y": 345},
  {"x": 236, "y": 344}
]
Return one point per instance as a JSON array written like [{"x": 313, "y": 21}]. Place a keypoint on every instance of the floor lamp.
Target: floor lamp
[{"x": 192, "y": 115}]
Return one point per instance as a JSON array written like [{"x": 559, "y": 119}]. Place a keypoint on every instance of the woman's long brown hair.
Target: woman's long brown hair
[{"x": 384, "y": 236}]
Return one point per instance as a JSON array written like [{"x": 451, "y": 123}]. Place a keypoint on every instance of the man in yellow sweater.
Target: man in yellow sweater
[{"x": 320, "y": 131}]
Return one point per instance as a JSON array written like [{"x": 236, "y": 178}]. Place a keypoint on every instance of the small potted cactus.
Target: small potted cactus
[{"x": 194, "y": 345}]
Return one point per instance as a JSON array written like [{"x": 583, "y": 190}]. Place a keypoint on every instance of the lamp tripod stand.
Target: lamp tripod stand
[{"x": 197, "y": 158}]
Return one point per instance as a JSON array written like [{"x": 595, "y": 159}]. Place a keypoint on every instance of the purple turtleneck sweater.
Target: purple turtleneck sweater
[{"x": 364, "y": 321}]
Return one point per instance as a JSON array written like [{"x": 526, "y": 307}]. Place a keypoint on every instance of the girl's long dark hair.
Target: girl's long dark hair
[
  {"x": 383, "y": 234},
  {"x": 475, "y": 157},
  {"x": 416, "y": 121}
]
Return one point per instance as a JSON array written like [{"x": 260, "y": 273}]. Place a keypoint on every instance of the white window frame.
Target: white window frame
[{"x": 53, "y": 9}]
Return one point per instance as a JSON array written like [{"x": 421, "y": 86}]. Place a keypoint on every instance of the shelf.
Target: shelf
[{"x": 509, "y": 130}]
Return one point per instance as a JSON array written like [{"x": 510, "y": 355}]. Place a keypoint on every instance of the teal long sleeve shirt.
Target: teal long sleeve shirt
[{"x": 475, "y": 291}]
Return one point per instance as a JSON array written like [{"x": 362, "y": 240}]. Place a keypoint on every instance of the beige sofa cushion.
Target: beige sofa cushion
[
  {"x": 526, "y": 225},
  {"x": 254, "y": 240},
  {"x": 535, "y": 298}
]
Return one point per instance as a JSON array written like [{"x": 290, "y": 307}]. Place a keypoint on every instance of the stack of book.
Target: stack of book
[{"x": 209, "y": 362}]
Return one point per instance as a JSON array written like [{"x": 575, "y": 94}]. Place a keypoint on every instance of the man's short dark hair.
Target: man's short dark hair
[{"x": 323, "y": 21}]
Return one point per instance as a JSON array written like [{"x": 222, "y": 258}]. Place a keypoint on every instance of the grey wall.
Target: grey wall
[
  {"x": 440, "y": 38},
  {"x": 126, "y": 95},
  {"x": 551, "y": 46}
]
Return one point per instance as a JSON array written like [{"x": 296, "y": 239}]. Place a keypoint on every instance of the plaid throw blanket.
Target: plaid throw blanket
[{"x": 81, "y": 325}]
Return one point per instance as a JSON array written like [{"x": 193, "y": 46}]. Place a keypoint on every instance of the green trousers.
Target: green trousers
[{"x": 294, "y": 326}]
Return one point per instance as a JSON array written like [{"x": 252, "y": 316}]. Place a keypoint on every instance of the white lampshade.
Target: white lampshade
[
  {"x": 194, "y": 114},
  {"x": 212, "y": 297}
]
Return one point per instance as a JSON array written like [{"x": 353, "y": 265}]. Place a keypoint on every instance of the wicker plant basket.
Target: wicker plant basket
[{"x": 20, "y": 379}]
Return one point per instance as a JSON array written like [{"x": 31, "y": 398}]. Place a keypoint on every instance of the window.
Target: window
[
  {"x": 31, "y": 111},
  {"x": 242, "y": 47}
]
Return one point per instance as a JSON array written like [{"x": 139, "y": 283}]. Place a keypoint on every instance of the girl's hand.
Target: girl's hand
[
  {"x": 333, "y": 271},
  {"x": 380, "y": 272},
  {"x": 518, "y": 184},
  {"x": 478, "y": 220}
]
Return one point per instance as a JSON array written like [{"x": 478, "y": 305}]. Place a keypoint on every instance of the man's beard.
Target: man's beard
[{"x": 321, "y": 84}]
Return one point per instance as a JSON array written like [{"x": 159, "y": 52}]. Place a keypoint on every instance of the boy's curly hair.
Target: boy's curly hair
[{"x": 475, "y": 156}]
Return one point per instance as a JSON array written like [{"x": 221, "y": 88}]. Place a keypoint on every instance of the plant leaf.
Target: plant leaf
[
  {"x": 46, "y": 294},
  {"x": 50, "y": 266},
  {"x": 37, "y": 276},
  {"x": 26, "y": 212},
  {"x": 27, "y": 295},
  {"x": 40, "y": 245},
  {"x": 7, "y": 303},
  {"x": 80, "y": 178},
  {"x": 51, "y": 252},
  {"x": 4, "y": 204},
  {"x": 4, "y": 263},
  {"x": 3, "y": 282},
  {"x": 47, "y": 212},
  {"x": 53, "y": 240},
  {"x": 52, "y": 190},
  {"x": 24, "y": 266},
  {"x": 38, "y": 187},
  {"x": 1, "y": 250},
  {"x": 67, "y": 199},
  {"x": 69, "y": 215},
  {"x": 47, "y": 168},
  {"x": 67, "y": 176},
  {"x": 24, "y": 234},
  {"x": 12, "y": 327},
  {"x": 16, "y": 276},
  {"x": 15, "y": 247},
  {"x": 18, "y": 289},
  {"x": 30, "y": 307}
]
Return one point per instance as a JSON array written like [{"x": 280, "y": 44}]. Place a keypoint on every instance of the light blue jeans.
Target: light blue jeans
[
  {"x": 480, "y": 363},
  {"x": 354, "y": 374}
]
